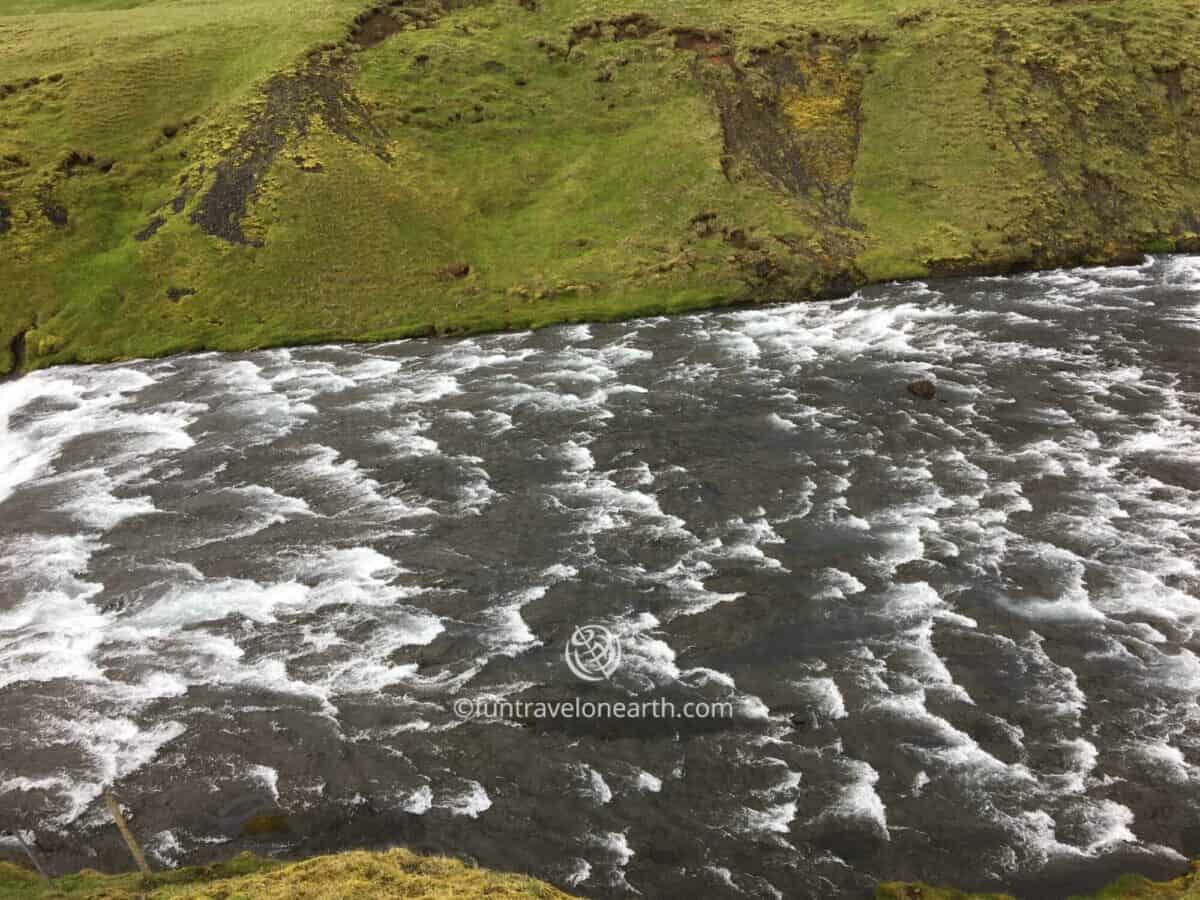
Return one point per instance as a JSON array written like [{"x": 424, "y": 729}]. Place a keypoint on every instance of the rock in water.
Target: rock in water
[{"x": 923, "y": 388}]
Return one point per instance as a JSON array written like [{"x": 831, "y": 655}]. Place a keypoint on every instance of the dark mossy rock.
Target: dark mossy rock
[{"x": 923, "y": 388}]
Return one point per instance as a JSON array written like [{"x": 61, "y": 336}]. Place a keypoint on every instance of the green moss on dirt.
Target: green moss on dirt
[
  {"x": 232, "y": 175},
  {"x": 369, "y": 876}
]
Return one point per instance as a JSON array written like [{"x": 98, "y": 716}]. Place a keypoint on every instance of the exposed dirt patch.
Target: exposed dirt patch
[
  {"x": 916, "y": 17},
  {"x": 76, "y": 162},
  {"x": 178, "y": 293},
  {"x": 54, "y": 211},
  {"x": 373, "y": 28},
  {"x": 151, "y": 229},
  {"x": 17, "y": 348},
  {"x": 632, "y": 27},
  {"x": 709, "y": 46},
  {"x": 1171, "y": 78},
  {"x": 16, "y": 87},
  {"x": 796, "y": 118},
  {"x": 320, "y": 90},
  {"x": 291, "y": 101},
  {"x": 1106, "y": 199},
  {"x": 456, "y": 270},
  {"x": 172, "y": 130},
  {"x": 792, "y": 115}
]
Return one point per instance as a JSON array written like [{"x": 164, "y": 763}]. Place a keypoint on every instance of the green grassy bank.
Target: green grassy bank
[
  {"x": 369, "y": 876},
  {"x": 186, "y": 174},
  {"x": 401, "y": 874}
]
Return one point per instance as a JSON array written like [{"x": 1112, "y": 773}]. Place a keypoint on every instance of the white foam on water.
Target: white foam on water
[
  {"x": 823, "y": 697},
  {"x": 1080, "y": 756},
  {"x": 837, "y": 585},
  {"x": 955, "y": 751},
  {"x": 472, "y": 802},
  {"x": 647, "y": 660},
  {"x": 929, "y": 668},
  {"x": 786, "y": 787},
  {"x": 93, "y": 501},
  {"x": 845, "y": 329},
  {"x": 360, "y": 494},
  {"x": 1054, "y": 688},
  {"x": 743, "y": 540},
  {"x": 1177, "y": 672},
  {"x": 408, "y": 439},
  {"x": 91, "y": 401},
  {"x": 306, "y": 380},
  {"x": 920, "y": 780},
  {"x": 260, "y": 507},
  {"x": 1072, "y": 603},
  {"x": 858, "y": 800},
  {"x": 1107, "y": 824},
  {"x": 604, "y": 506},
  {"x": 576, "y": 334},
  {"x": 359, "y": 575},
  {"x": 1183, "y": 271},
  {"x": 581, "y": 871},
  {"x": 419, "y": 801},
  {"x": 507, "y": 633},
  {"x": 593, "y": 785},
  {"x": 907, "y": 527},
  {"x": 685, "y": 580},
  {"x": 115, "y": 748},
  {"x": 267, "y": 777},
  {"x": 375, "y": 368},
  {"x": 466, "y": 356},
  {"x": 723, "y": 875},
  {"x": 262, "y": 413},
  {"x": 615, "y": 845},
  {"x": 577, "y": 457},
  {"x": 54, "y": 632},
  {"x": 166, "y": 848},
  {"x": 1166, "y": 762},
  {"x": 475, "y": 491},
  {"x": 560, "y": 572},
  {"x": 648, "y": 783}
]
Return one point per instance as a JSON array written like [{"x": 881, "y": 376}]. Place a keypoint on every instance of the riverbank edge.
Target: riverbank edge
[
  {"x": 775, "y": 295},
  {"x": 401, "y": 873},
  {"x": 353, "y": 873},
  {"x": 1127, "y": 887}
]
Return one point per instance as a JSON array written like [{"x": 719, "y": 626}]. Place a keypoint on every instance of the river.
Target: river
[{"x": 958, "y": 633}]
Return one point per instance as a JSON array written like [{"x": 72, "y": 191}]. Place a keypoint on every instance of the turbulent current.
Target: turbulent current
[{"x": 959, "y": 633}]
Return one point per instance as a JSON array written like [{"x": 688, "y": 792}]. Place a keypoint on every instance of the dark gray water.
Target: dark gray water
[{"x": 959, "y": 634}]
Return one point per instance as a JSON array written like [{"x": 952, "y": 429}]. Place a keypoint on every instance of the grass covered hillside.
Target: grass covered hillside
[{"x": 185, "y": 174}]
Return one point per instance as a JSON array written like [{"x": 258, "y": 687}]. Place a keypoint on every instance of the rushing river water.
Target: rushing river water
[{"x": 958, "y": 634}]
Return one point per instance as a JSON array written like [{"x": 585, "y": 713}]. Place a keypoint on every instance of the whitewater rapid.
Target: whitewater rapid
[{"x": 960, "y": 633}]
